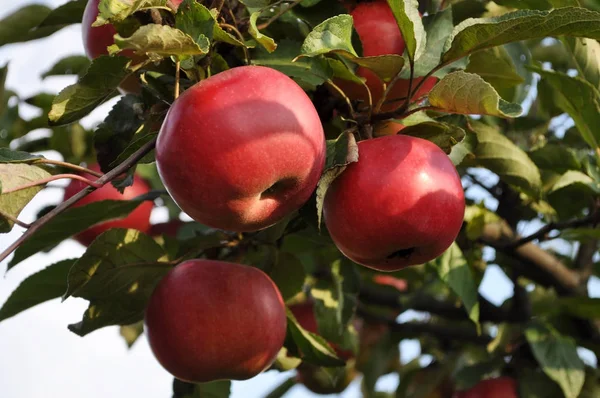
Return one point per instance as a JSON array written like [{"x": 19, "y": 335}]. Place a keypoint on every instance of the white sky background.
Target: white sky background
[{"x": 39, "y": 356}]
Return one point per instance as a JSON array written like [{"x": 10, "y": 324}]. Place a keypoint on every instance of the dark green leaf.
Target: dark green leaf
[
  {"x": 195, "y": 20},
  {"x": 73, "y": 65},
  {"x": 97, "y": 85},
  {"x": 117, "y": 274},
  {"x": 66, "y": 14},
  {"x": 215, "y": 389},
  {"x": 8, "y": 156},
  {"x": 47, "y": 284},
  {"x": 20, "y": 25},
  {"x": 444, "y": 135},
  {"x": 557, "y": 355},
  {"x": 71, "y": 222},
  {"x": 409, "y": 21}
]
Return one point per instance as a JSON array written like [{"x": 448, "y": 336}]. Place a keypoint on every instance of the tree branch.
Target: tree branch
[
  {"x": 532, "y": 262},
  {"x": 418, "y": 329},
  {"x": 108, "y": 177}
]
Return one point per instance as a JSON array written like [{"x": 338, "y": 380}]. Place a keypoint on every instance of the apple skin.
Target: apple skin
[
  {"x": 241, "y": 149},
  {"x": 501, "y": 387},
  {"x": 138, "y": 219},
  {"x": 211, "y": 320},
  {"x": 169, "y": 228},
  {"x": 379, "y": 34},
  {"x": 401, "y": 204},
  {"x": 305, "y": 315}
]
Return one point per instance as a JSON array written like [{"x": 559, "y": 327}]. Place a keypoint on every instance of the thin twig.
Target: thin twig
[
  {"x": 177, "y": 76},
  {"x": 50, "y": 179},
  {"x": 240, "y": 38},
  {"x": 69, "y": 166},
  {"x": 14, "y": 220},
  {"x": 344, "y": 96},
  {"x": 111, "y": 175},
  {"x": 281, "y": 11}
]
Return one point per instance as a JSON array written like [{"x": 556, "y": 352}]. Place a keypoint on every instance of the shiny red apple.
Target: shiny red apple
[
  {"x": 138, "y": 219},
  {"x": 401, "y": 204},
  {"x": 501, "y": 387},
  {"x": 241, "y": 149},
  {"x": 211, "y": 320},
  {"x": 380, "y": 35}
]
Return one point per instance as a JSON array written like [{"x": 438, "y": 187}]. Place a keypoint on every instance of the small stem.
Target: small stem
[
  {"x": 69, "y": 166},
  {"x": 177, "y": 78},
  {"x": 50, "y": 179},
  {"x": 410, "y": 83},
  {"x": 14, "y": 220},
  {"x": 240, "y": 38},
  {"x": 344, "y": 96},
  {"x": 111, "y": 175},
  {"x": 281, "y": 11}
]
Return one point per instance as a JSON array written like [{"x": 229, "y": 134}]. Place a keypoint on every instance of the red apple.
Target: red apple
[
  {"x": 501, "y": 387},
  {"x": 380, "y": 35},
  {"x": 97, "y": 39},
  {"x": 138, "y": 219},
  {"x": 169, "y": 228},
  {"x": 401, "y": 204},
  {"x": 241, "y": 149},
  {"x": 211, "y": 320}
]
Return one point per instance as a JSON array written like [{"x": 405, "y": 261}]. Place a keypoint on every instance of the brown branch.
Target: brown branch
[
  {"x": 14, "y": 220},
  {"x": 532, "y": 262},
  {"x": 418, "y": 329},
  {"x": 540, "y": 234},
  {"x": 281, "y": 11},
  {"x": 108, "y": 177}
]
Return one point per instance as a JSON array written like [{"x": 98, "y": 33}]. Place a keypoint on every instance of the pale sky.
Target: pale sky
[{"x": 40, "y": 357}]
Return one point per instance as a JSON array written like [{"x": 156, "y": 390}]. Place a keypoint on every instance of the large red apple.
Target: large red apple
[
  {"x": 241, "y": 149},
  {"x": 97, "y": 39},
  {"x": 211, "y": 320},
  {"x": 380, "y": 35},
  {"x": 501, "y": 387},
  {"x": 138, "y": 219},
  {"x": 401, "y": 204}
]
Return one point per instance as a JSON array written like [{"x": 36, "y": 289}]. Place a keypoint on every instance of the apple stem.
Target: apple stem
[
  {"x": 14, "y": 219},
  {"x": 410, "y": 85},
  {"x": 69, "y": 166},
  {"x": 343, "y": 94},
  {"x": 111, "y": 175},
  {"x": 177, "y": 77},
  {"x": 50, "y": 179}
]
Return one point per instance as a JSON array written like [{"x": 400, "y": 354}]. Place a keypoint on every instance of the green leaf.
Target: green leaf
[
  {"x": 71, "y": 222},
  {"x": 335, "y": 302},
  {"x": 556, "y": 157},
  {"x": 499, "y": 154},
  {"x": 579, "y": 99},
  {"x": 160, "y": 41},
  {"x": 557, "y": 355},
  {"x": 20, "y": 25},
  {"x": 534, "y": 383},
  {"x": 215, "y": 389},
  {"x": 288, "y": 274},
  {"x": 265, "y": 41},
  {"x": 476, "y": 34},
  {"x": 115, "y": 134},
  {"x": 464, "y": 150},
  {"x": 468, "y": 93},
  {"x": 47, "y": 284},
  {"x": 117, "y": 274},
  {"x": 9, "y": 156},
  {"x": 496, "y": 67},
  {"x": 130, "y": 333},
  {"x": 410, "y": 24},
  {"x": 340, "y": 152},
  {"x": 333, "y": 34},
  {"x": 586, "y": 55},
  {"x": 195, "y": 20},
  {"x": 73, "y": 65},
  {"x": 67, "y": 14},
  {"x": 307, "y": 71},
  {"x": 452, "y": 269},
  {"x": 444, "y": 135},
  {"x": 310, "y": 347},
  {"x": 97, "y": 86},
  {"x": 583, "y": 307},
  {"x": 13, "y": 175},
  {"x": 438, "y": 27},
  {"x": 576, "y": 178},
  {"x": 111, "y": 11}
]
